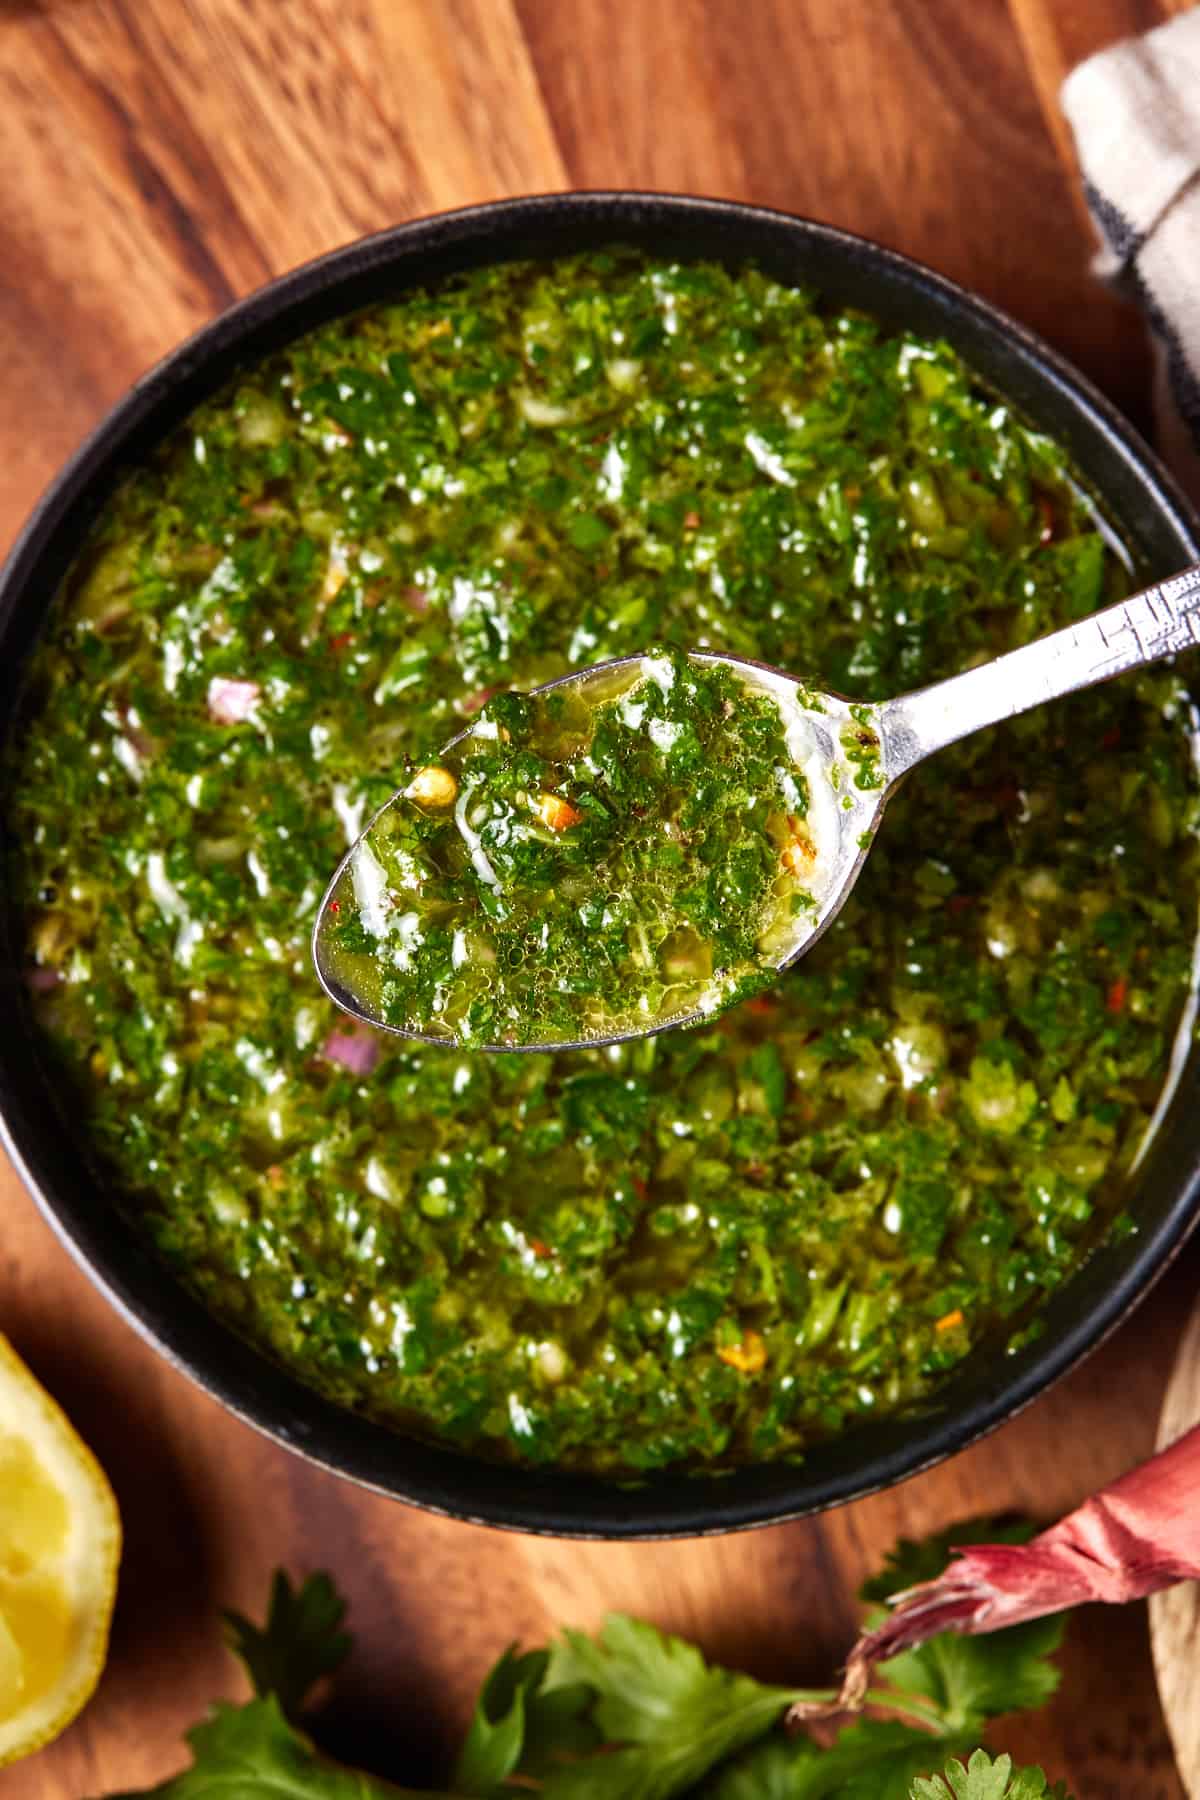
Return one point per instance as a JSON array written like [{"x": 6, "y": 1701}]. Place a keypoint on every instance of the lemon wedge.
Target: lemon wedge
[{"x": 60, "y": 1542}]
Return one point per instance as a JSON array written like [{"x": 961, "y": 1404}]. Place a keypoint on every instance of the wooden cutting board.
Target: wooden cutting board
[
  {"x": 1175, "y": 1614},
  {"x": 172, "y": 154}
]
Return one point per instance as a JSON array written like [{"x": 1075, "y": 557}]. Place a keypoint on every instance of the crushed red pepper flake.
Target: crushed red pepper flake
[{"x": 748, "y": 1356}]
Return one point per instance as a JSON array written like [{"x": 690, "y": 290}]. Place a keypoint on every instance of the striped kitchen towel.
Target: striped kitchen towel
[{"x": 1135, "y": 112}]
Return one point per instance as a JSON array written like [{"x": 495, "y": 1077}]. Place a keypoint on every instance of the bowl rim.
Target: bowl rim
[{"x": 272, "y": 1399}]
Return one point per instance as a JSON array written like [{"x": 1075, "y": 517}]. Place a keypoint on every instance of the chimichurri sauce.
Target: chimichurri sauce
[
  {"x": 593, "y": 860},
  {"x": 707, "y": 1247}
]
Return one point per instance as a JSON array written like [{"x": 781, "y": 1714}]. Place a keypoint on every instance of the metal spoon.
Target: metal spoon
[{"x": 1159, "y": 622}]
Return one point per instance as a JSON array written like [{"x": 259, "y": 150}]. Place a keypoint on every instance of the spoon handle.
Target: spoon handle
[{"x": 1156, "y": 623}]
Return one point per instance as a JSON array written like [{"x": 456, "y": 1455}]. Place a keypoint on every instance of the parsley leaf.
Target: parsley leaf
[
  {"x": 985, "y": 1778},
  {"x": 973, "y": 1679},
  {"x": 559, "y": 1727},
  {"x": 300, "y": 1642},
  {"x": 878, "y": 1759},
  {"x": 774, "y": 1769},
  {"x": 969, "y": 1679},
  {"x": 252, "y": 1753},
  {"x": 515, "y": 1722},
  {"x": 496, "y": 1735},
  {"x": 672, "y": 1717},
  {"x": 875, "y": 1759}
]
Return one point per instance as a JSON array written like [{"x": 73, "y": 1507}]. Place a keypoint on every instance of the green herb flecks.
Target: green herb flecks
[
  {"x": 715, "y": 1247},
  {"x": 587, "y": 862}
]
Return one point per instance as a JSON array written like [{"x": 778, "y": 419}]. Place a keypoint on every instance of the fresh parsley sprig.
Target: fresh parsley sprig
[
  {"x": 301, "y": 1642},
  {"x": 985, "y": 1778},
  {"x": 634, "y": 1714}
]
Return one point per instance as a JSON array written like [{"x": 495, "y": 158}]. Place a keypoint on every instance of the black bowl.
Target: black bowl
[{"x": 988, "y": 1387}]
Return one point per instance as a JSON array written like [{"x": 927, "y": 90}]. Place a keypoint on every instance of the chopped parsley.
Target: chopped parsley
[
  {"x": 589, "y": 861},
  {"x": 716, "y": 1246}
]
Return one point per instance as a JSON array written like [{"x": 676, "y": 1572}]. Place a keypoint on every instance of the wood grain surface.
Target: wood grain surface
[
  {"x": 164, "y": 156},
  {"x": 1175, "y": 1614}
]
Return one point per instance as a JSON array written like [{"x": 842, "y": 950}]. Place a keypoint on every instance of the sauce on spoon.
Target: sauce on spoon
[{"x": 606, "y": 856}]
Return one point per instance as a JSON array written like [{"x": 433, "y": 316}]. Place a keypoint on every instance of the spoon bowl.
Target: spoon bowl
[{"x": 843, "y": 814}]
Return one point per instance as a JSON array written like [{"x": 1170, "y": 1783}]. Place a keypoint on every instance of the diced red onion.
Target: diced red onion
[
  {"x": 232, "y": 702},
  {"x": 1139, "y": 1534},
  {"x": 141, "y": 745},
  {"x": 356, "y": 1050},
  {"x": 478, "y": 700},
  {"x": 41, "y": 978},
  {"x": 114, "y": 614}
]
